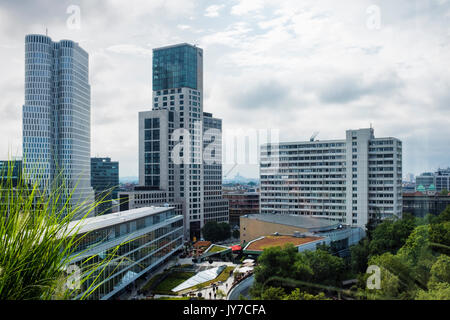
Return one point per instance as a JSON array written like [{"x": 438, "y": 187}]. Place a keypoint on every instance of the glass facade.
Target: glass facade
[
  {"x": 175, "y": 67},
  {"x": 10, "y": 167},
  {"x": 144, "y": 243},
  {"x": 56, "y": 114},
  {"x": 105, "y": 181}
]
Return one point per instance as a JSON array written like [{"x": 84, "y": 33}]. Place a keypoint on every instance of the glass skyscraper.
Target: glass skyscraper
[
  {"x": 56, "y": 115},
  {"x": 105, "y": 182},
  {"x": 177, "y": 119},
  {"x": 176, "y": 67}
]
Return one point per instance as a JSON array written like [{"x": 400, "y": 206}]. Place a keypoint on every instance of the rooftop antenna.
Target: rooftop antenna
[{"x": 46, "y": 32}]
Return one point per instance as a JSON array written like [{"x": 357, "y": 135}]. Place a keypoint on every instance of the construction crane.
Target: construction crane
[{"x": 314, "y": 136}]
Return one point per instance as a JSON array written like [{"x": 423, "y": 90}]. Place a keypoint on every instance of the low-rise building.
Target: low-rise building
[
  {"x": 241, "y": 203},
  {"x": 303, "y": 232},
  {"x": 439, "y": 180},
  {"x": 420, "y": 204},
  {"x": 142, "y": 196},
  {"x": 140, "y": 239}
]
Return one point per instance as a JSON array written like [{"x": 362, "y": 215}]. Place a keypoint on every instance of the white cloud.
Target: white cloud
[
  {"x": 183, "y": 27},
  {"x": 213, "y": 10},
  {"x": 299, "y": 66},
  {"x": 247, "y": 6},
  {"x": 130, "y": 49}
]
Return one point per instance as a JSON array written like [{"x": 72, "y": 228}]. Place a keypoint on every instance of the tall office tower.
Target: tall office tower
[
  {"x": 56, "y": 116},
  {"x": 105, "y": 182},
  {"x": 171, "y": 144},
  {"x": 348, "y": 180}
]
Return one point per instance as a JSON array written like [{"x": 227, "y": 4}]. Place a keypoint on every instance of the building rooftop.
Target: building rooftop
[
  {"x": 310, "y": 223},
  {"x": 278, "y": 241},
  {"x": 107, "y": 220},
  {"x": 176, "y": 45}
]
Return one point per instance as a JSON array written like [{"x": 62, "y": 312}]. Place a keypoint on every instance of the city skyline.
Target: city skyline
[{"x": 323, "y": 68}]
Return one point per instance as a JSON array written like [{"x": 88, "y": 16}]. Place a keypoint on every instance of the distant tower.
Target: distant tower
[{"x": 56, "y": 115}]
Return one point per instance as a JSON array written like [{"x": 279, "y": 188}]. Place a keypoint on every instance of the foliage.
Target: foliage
[
  {"x": 286, "y": 268},
  {"x": 213, "y": 231},
  {"x": 440, "y": 271},
  {"x": 439, "y": 291},
  {"x": 273, "y": 293},
  {"x": 359, "y": 255},
  {"x": 296, "y": 294},
  {"x": 38, "y": 241},
  {"x": 444, "y": 216},
  {"x": 389, "y": 236},
  {"x": 236, "y": 234},
  {"x": 412, "y": 254},
  {"x": 279, "y": 293},
  {"x": 420, "y": 269}
]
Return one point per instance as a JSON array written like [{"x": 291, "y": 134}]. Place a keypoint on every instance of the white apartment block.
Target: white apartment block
[{"x": 348, "y": 180}]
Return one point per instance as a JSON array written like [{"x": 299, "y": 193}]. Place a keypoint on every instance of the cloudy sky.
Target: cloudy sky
[{"x": 293, "y": 66}]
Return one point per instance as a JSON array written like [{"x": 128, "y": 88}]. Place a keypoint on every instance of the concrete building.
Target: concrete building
[
  {"x": 420, "y": 204},
  {"x": 180, "y": 145},
  {"x": 147, "y": 237},
  {"x": 439, "y": 180},
  {"x": 56, "y": 116},
  {"x": 105, "y": 182},
  {"x": 241, "y": 203},
  {"x": 260, "y": 231},
  {"x": 346, "y": 181},
  {"x": 141, "y": 197}
]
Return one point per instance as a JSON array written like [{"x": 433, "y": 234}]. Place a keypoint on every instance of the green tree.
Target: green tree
[
  {"x": 440, "y": 237},
  {"x": 276, "y": 262},
  {"x": 273, "y": 293},
  {"x": 444, "y": 216},
  {"x": 439, "y": 291},
  {"x": 286, "y": 267},
  {"x": 394, "y": 274},
  {"x": 236, "y": 233},
  {"x": 296, "y": 294},
  {"x": 326, "y": 268},
  {"x": 359, "y": 255},
  {"x": 440, "y": 271},
  {"x": 389, "y": 236},
  {"x": 213, "y": 231},
  {"x": 439, "y": 283}
]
